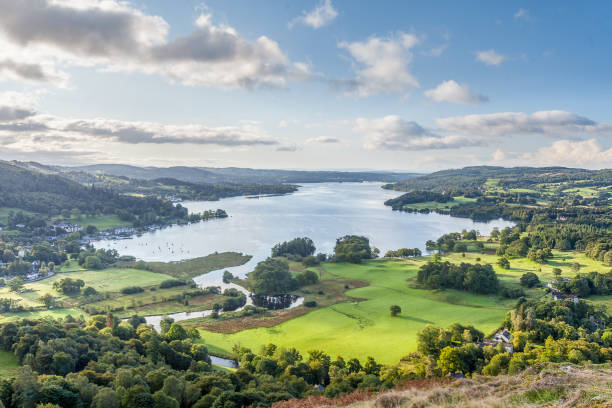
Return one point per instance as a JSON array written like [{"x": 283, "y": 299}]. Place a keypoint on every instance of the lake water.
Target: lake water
[{"x": 323, "y": 212}]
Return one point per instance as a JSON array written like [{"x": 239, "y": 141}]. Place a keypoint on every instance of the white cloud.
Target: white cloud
[
  {"x": 490, "y": 57},
  {"x": 323, "y": 139},
  {"x": 322, "y": 15},
  {"x": 548, "y": 123},
  {"x": 451, "y": 91},
  {"x": 522, "y": 14},
  {"x": 115, "y": 36},
  {"x": 16, "y": 106},
  {"x": 587, "y": 153},
  {"x": 382, "y": 65},
  {"x": 23, "y": 129},
  {"x": 394, "y": 133},
  {"x": 435, "y": 51}
]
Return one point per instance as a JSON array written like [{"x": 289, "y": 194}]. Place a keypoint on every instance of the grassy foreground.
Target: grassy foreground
[{"x": 548, "y": 386}]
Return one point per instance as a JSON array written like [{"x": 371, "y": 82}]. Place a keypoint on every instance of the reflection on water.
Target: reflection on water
[{"x": 322, "y": 212}]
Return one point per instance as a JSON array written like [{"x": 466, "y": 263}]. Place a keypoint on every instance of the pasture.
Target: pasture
[{"x": 366, "y": 328}]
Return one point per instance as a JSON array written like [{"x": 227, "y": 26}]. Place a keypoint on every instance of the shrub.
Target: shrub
[
  {"x": 310, "y": 303},
  {"x": 130, "y": 290},
  {"x": 171, "y": 283}
]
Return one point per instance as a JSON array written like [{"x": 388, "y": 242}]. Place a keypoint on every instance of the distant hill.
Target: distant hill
[
  {"x": 238, "y": 175},
  {"x": 473, "y": 178},
  {"x": 36, "y": 189}
]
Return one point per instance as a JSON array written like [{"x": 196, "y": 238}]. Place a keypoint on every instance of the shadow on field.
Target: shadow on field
[{"x": 416, "y": 319}]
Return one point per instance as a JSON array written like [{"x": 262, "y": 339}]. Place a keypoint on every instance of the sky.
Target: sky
[{"x": 322, "y": 84}]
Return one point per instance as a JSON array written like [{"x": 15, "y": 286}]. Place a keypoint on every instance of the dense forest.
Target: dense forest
[{"x": 52, "y": 195}]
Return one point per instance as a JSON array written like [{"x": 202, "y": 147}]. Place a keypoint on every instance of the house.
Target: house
[
  {"x": 69, "y": 228},
  {"x": 502, "y": 337},
  {"x": 556, "y": 295},
  {"x": 123, "y": 231}
]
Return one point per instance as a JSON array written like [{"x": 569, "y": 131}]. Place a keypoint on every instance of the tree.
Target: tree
[
  {"x": 15, "y": 284},
  {"x": 299, "y": 246},
  {"x": 576, "y": 267},
  {"x": 556, "y": 272},
  {"x": 451, "y": 361},
  {"x": 68, "y": 286},
  {"x": 105, "y": 398},
  {"x": 48, "y": 300},
  {"x": 176, "y": 332},
  {"x": 504, "y": 263},
  {"x": 530, "y": 279},
  {"x": 93, "y": 262},
  {"x": 395, "y": 310},
  {"x": 272, "y": 277},
  {"x": 352, "y": 248}
]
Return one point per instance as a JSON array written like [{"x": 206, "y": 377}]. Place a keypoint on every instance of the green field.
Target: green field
[
  {"x": 107, "y": 280},
  {"x": 361, "y": 329},
  {"x": 434, "y": 205},
  {"x": 110, "y": 281},
  {"x": 197, "y": 266},
  {"x": 358, "y": 328},
  {"x": 8, "y": 364}
]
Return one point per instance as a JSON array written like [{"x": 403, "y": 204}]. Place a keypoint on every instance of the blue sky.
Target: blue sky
[{"x": 312, "y": 84}]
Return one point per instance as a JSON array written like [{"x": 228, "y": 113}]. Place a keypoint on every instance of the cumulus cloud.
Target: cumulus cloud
[
  {"x": 115, "y": 36},
  {"x": 382, "y": 65},
  {"x": 451, "y": 91},
  {"x": 323, "y": 139},
  {"x": 548, "y": 123},
  {"x": 24, "y": 129},
  {"x": 588, "y": 153},
  {"x": 490, "y": 57},
  {"x": 323, "y": 14},
  {"x": 394, "y": 133},
  {"x": 16, "y": 106}
]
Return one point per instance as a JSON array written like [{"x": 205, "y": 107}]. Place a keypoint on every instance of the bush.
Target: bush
[
  {"x": 130, "y": 290},
  {"x": 171, "y": 283},
  {"x": 395, "y": 310},
  {"x": 310, "y": 303}
]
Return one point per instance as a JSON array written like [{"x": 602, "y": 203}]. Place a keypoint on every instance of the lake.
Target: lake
[{"x": 323, "y": 212}]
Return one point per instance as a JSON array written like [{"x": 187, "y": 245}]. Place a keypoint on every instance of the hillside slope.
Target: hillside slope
[
  {"x": 470, "y": 178},
  {"x": 550, "y": 386}
]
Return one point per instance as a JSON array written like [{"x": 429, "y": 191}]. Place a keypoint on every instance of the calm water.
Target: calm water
[{"x": 322, "y": 212}]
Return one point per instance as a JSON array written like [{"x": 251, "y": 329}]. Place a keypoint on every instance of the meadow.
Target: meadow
[
  {"x": 111, "y": 281},
  {"x": 357, "y": 323},
  {"x": 359, "y": 328}
]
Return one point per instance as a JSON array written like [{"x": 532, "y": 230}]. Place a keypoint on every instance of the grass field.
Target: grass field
[
  {"x": 358, "y": 328},
  {"x": 110, "y": 281},
  {"x": 8, "y": 364},
  {"x": 361, "y": 329},
  {"x": 4, "y": 213},
  {"x": 198, "y": 266},
  {"x": 107, "y": 280},
  {"x": 434, "y": 205}
]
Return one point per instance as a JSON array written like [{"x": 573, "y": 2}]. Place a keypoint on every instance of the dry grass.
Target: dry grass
[{"x": 551, "y": 386}]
